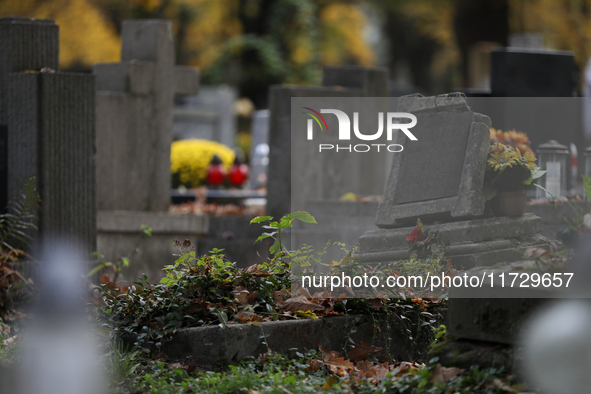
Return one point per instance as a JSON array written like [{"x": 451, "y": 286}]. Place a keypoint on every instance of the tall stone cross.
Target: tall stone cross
[{"x": 134, "y": 118}]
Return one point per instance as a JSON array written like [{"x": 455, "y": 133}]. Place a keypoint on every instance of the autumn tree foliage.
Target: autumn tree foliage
[
  {"x": 248, "y": 43},
  {"x": 86, "y": 35}
]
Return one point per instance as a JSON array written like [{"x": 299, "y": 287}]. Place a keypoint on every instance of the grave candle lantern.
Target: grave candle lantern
[
  {"x": 554, "y": 158},
  {"x": 216, "y": 172},
  {"x": 238, "y": 173}
]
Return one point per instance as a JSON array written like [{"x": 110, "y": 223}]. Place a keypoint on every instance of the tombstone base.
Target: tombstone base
[{"x": 470, "y": 243}]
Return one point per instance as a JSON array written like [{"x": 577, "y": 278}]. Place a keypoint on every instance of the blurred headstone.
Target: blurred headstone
[
  {"x": 526, "y": 40},
  {"x": 209, "y": 115},
  {"x": 349, "y": 81},
  {"x": 50, "y": 129},
  {"x": 134, "y": 118},
  {"x": 532, "y": 73},
  {"x": 259, "y": 149}
]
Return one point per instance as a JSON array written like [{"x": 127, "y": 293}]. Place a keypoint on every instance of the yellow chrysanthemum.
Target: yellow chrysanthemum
[{"x": 189, "y": 159}]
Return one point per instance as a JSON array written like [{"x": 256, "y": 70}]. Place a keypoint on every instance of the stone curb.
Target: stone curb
[{"x": 214, "y": 345}]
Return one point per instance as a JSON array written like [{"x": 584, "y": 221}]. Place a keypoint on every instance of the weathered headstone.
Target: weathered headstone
[
  {"x": 50, "y": 120},
  {"x": 441, "y": 175},
  {"x": 439, "y": 179},
  {"x": 134, "y": 118}
]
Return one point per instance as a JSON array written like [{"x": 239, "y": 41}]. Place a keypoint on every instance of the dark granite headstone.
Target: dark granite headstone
[
  {"x": 25, "y": 44},
  {"x": 50, "y": 119},
  {"x": 532, "y": 73},
  {"x": 52, "y": 137}
]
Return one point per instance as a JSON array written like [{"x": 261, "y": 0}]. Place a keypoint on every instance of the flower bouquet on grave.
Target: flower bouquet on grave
[
  {"x": 421, "y": 239},
  {"x": 512, "y": 139},
  {"x": 508, "y": 174}
]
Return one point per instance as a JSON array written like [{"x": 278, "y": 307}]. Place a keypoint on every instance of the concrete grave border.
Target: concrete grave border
[{"x": 214, "y": 345}]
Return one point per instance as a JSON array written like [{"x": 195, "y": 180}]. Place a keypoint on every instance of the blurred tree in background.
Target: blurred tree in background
[
  {"x": 564, "y": 24},
  {"x": 421, "y": 42},
  {"x": 86, "y": 36},
  {"x": 248, "y": 43},
  {"x": 255, "y": 43}
]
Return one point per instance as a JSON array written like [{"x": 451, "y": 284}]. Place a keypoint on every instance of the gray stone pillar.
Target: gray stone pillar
[{"x": 50, "y": 119}]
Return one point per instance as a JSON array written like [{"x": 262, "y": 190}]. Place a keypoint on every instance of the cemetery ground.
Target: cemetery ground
[{"x": 135, "y": 323}]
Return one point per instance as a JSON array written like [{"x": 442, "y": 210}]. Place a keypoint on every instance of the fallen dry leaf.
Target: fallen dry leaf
[
  {"x": 534, "y": 253},
  {"x": 361, "y": 350},
  {"x": 329, "y": 383},
  {"x": 339, "y": 366},
  {"x": 375, "y": 303},
  {"x": 499, "y": 383},
  {"x": 247, "y": 316},
  {"x": 314, "y": 365},
  {"x": 301, "y": 304},
  {"x": 443, "y": 374},
  {"x": 304, "y": 292}
]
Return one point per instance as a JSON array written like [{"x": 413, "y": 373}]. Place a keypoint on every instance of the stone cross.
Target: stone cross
[
  {"x": 48, "y": 122},
  {"x": 134, "y": 118}
]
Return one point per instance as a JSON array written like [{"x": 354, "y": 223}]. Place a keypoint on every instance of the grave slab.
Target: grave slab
[
  {"x": 53, "y": 115},
  {"x": 468, "y": 243}
]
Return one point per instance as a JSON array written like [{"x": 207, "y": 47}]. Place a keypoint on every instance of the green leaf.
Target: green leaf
[
  {"x": 284, "y": 224},
  {"x": 538, "y": 173},
  {"x": 587, "y": 185},
  {"x": 275, "y": 247},
  {"x": 259, "y": 219},
  {"x": 265, "y": 235},
  {"x": 488, "y": 192},
  {"x": 303, "y": 216},
  {"x": 146, "y": 230}
]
